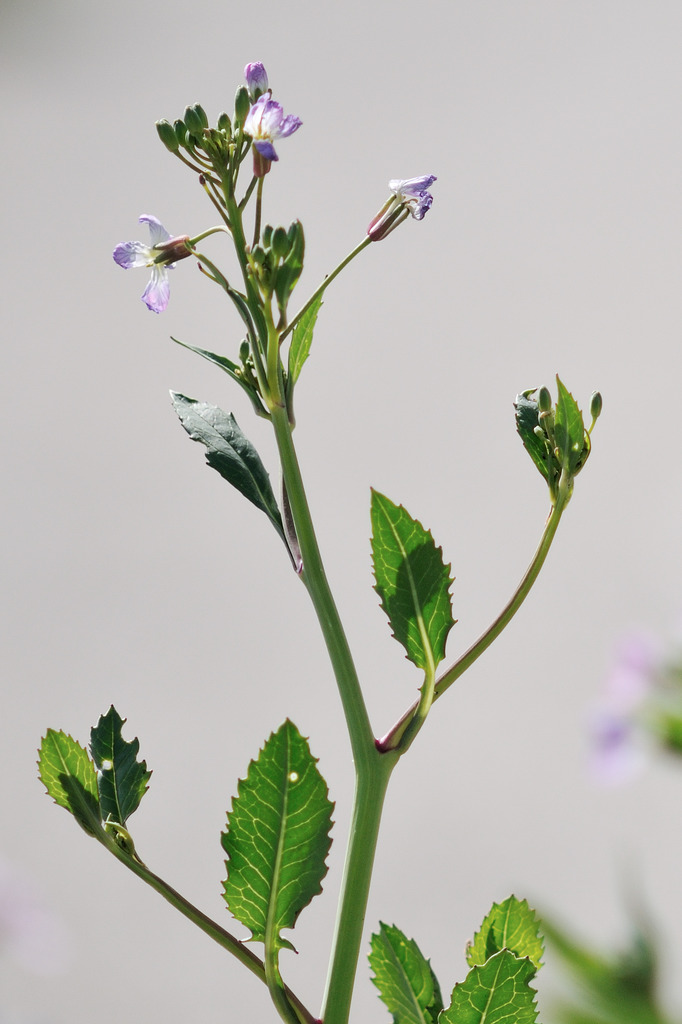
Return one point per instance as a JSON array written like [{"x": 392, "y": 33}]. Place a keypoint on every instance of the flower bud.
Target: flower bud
[
  {"x": 544, "y": 400},
  {"x": 280, "y": 243},
  {"x": 174, "y": 249},
  {"x": 224, "y": 124},
  {"x": 242, "y": 104},
  {"x": 267, "y": 235},
  {"x": 195, "y": 120},
  {"x": 167, "y": 135},
  {"x": 180, "y": 129},
  {"x": 256, "y": 79},
  {"x": 595, "y": 405}
]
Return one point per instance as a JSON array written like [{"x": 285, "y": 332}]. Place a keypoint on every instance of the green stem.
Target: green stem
[
  {"x": 370, "y": 791},
  {"x": 317, "y": 585},
  {"x": 220, "y": 935},
  {"x": 401, "y": 730},
  {"x": 325, "y": 284}
]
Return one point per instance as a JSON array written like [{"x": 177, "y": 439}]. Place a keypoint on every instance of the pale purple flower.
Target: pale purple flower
[
  {"x": 617, "y": 735},
  {"x": 413, "y": 193},
  {"x": 256, "y": 79},
  {"x": 410, "y": 196},
  {"x": 138, "y": 254},
  {"x": 265, "y": 123}
]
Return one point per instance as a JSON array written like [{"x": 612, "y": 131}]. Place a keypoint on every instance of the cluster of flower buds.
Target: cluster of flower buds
[
  {"x": 555, "y": 437},
  {"x": 277, "y": 262}
]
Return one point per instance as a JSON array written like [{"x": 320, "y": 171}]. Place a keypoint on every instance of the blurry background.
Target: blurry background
[{"x": 133, "y": 575}]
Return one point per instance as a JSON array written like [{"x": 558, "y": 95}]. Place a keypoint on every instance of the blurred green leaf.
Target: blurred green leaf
[
  {"x": 277, "y": 838},
  {"x": 411, "y": 581},
  {"x": 569, "y": 430},
  {"x": 69, "y": 777},
  {"x": 229, "y": 452},
  {"x": 496, "y": 992},
  {"x": 301, "y": 340},
  {"x": 406, "y": 983},
  {"x": 121, "y": 778},
  {"x": 510, "y": 925}
]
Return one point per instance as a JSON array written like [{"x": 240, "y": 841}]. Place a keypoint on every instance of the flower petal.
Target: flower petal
[
  {"x": 157, "y": 292},
  {"x": 266, "y": 149},
  {"x": 132, "y": 254},
  {"x": 156, "y": 229}
]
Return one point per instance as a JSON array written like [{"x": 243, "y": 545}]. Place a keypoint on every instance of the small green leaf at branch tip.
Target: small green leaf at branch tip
[
  {"x": 229, "y": 452},
  {"x": 406, "y": 982},
  {"x": 301, "y": 340},
  {"x": 70, "y": 779},
  {"x": 511, "y": 925},
  {"x": 412, "y": 582},
  {"x": 277, "y": 839},
  {"x": 121, "y": 778},
  {"x": 569, "y": 431},
  {"x": 496, "y": 992}
]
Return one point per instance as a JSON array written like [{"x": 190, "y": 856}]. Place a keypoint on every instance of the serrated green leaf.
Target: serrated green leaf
[
  {"x": 510, "y": 925},
  {"x": 497, "y": 992},
  {"x": 527, "y": 419},
  {"x": 277, "y": 838},
  {"x": 569, "y": 430},
  {"x": 301, "y": 340},
  {"x": 412, "y": 581},
  {"x": 406, "y": 982},
  {"x": 69, "y": 777},
  {"x": 121, "y": 778},
  {"x": 229, "y": 452}
]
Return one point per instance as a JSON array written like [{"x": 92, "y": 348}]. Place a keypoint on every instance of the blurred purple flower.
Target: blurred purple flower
[
  {"x": 138, "y": 254},
  {"x": 617, "y": 753},
  {"x": 265, "y": 123},
  {"x": 28, "y": 931},
  {"x": 256, "y": 79}
]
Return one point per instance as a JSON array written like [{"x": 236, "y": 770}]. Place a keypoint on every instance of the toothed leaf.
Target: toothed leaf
[
  {"x": 496, "y": 992},
  {"x": 69, "y": 777},
  {"x": 121, "y": 778},
  {"x": 569, "y": 430},
  {"x": 527, "y": 419},
  {"x": 406, "y": 983},
  {"x": 277, "y": 838},
  {"x": 510, "y": 925},
  {"x": 412, "y": 581}
]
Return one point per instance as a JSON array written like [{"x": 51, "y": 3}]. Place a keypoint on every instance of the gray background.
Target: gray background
[{"x": 133, "y": 575}]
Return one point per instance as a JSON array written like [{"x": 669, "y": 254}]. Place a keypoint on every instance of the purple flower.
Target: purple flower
[
  {"x": 161, "y": 256},
  {"x": 265, "y": 123},
  {"x": 256, "y": 79},
  {"x": 410, "y": 196},
  {"x": 413, "y": 193},
  {"x": 616, "y": 729}
]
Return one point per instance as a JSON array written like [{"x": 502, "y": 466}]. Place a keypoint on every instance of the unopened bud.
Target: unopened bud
[
  {"x": 595, "y": 405},
  {"x": 195, "y": 120},
  {"x": 177, "y": 248},
  {"x": 544, "y": 400},
  {"x": 267, "y": 235},
  {"x": 280, "y": 243},
  {"x": 167, "y": 135},
  {"x": 256, "y": 79},
  {"x": 224, "y": 124},
  {"x": 180, "y": 129},
  {"x": 242, "y": 104}
]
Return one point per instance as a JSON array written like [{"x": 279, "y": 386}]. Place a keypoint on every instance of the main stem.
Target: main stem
[{"x": 372, "y": 769}]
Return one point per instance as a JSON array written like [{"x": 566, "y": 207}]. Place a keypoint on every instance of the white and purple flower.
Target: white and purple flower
[
  {"x": 161, "y": 256},
  {"x": 256, "y": 79},
  {"x": 265, "y": 123},
  {"x": 410, "y": 196}
]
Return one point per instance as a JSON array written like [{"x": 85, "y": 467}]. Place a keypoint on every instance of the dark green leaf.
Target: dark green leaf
[
  {"x": 277, "y": 837},
  {"x": 496, "y": 992},
  {"x": 301, "y": 340},
  {"x": 510, "y": 925},
  {"x": 411, "y": 581},
  {"x": 527, "y": 419},
  {"x": 231, "y": 369},
  {"x": 229, "y": 452},
  {"x": 121, "y": 778},
  {"x": 69, "y": 777},
  {"x": 406, "y": 983},
  {"x": 569, "y": 430}
]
